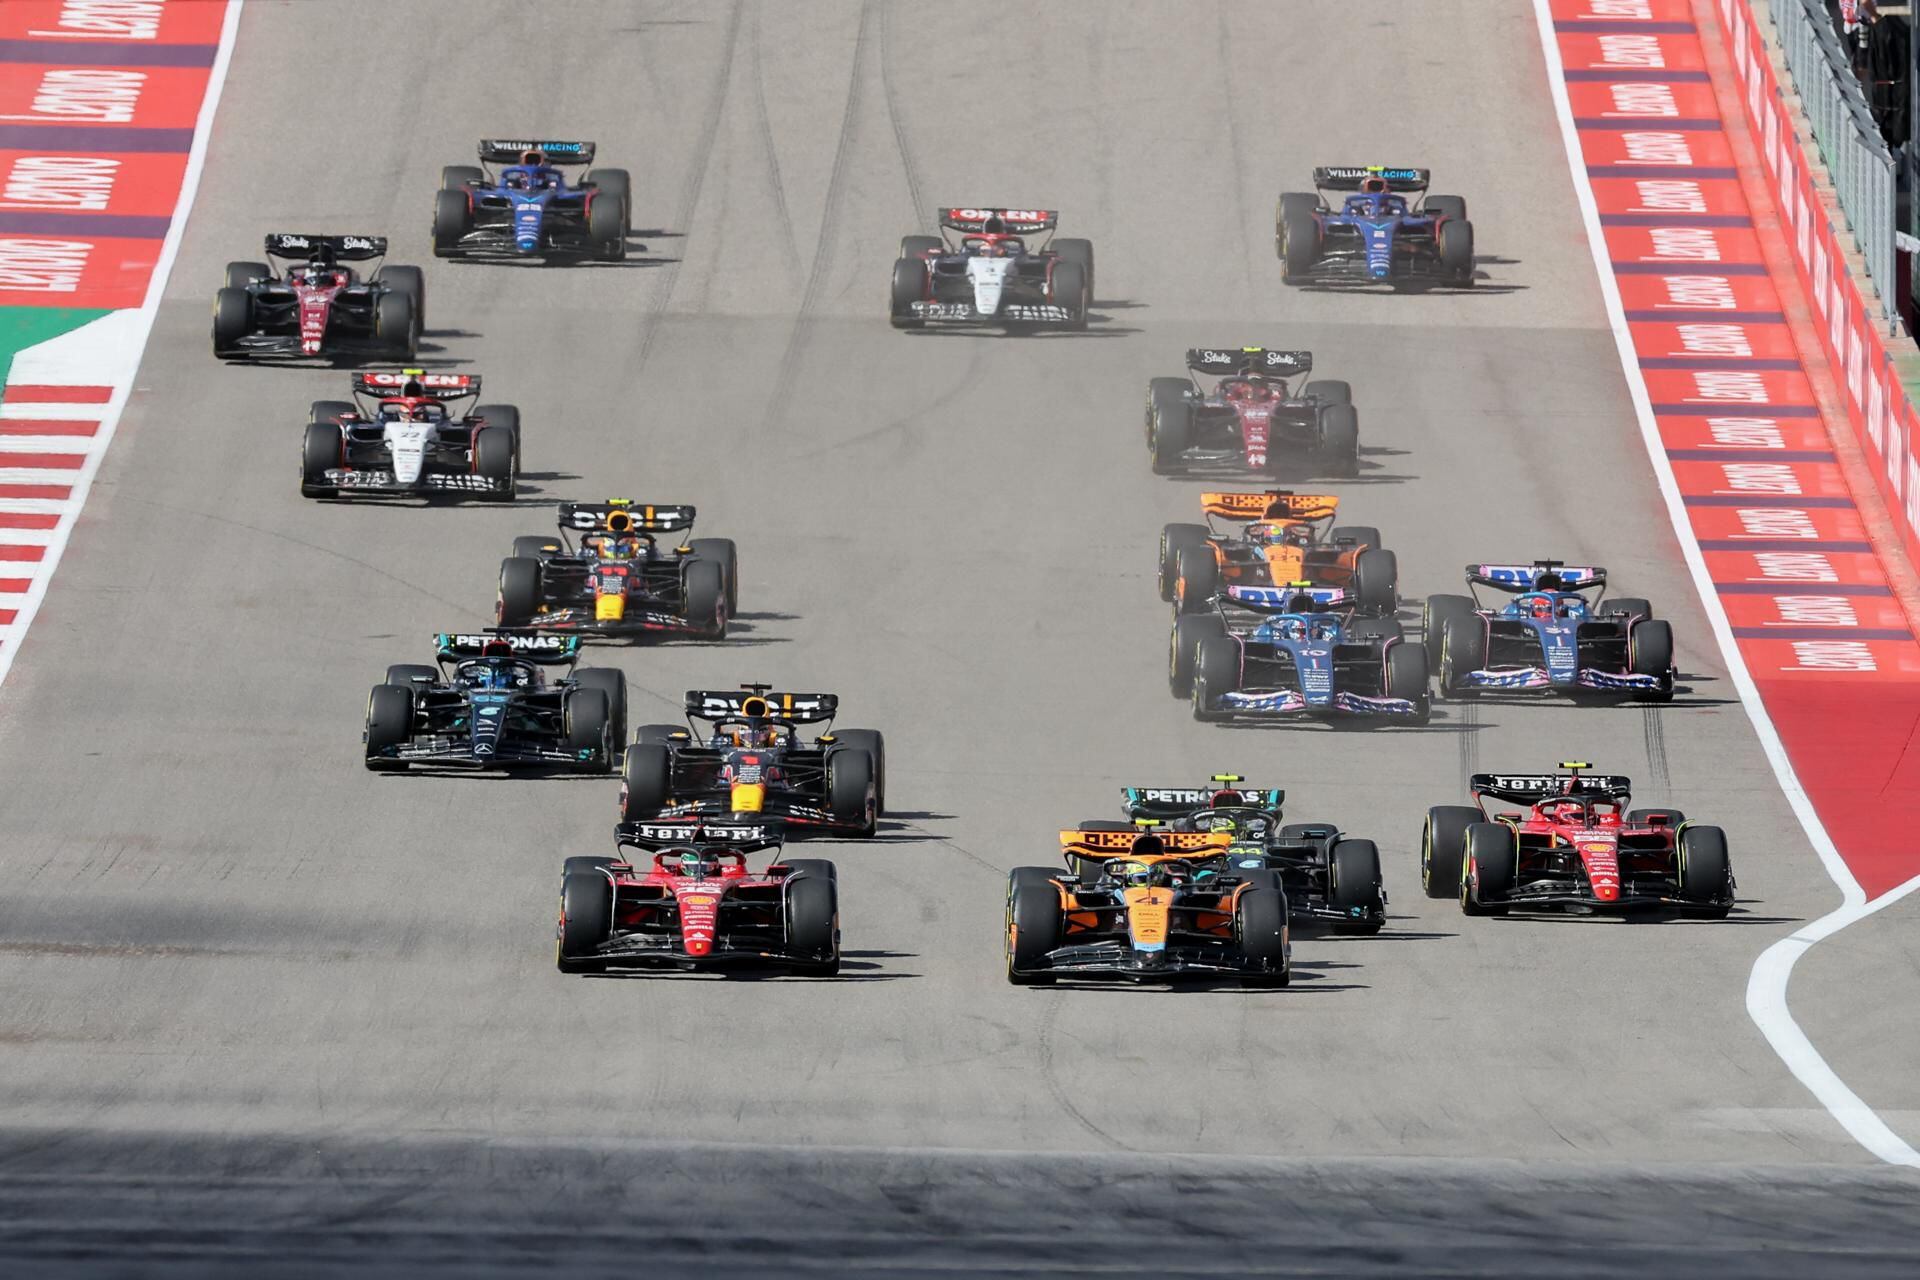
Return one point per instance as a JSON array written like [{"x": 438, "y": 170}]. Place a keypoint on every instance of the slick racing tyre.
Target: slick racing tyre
[
  {"x": 660, "y": 734},
  {"x": 1463, "y": 649},
  {"x": 389, "y": 723},
  {"x": 506, "y": 417},
  {"x": 1339, "y": 440},
  {"x": 455, "y": 177},
  {"x": 616, "y": 184},
  {"x": 909, "y": 287},
  {"x": 1705, "y": 873},
  {"x": 1645, "y": 817},
  {"x": 493, "y": 460},
  {"x": 1491, "y": 864},
  {"x": 412, "y": 282},
  {"x": 1196, "y": 578},
  {"x": 1174, "y": 539},
  {"x": 1329, "y": 391},
  {"x": 1433, "y": 624},
  {"x": 1354, "y": 887},
  {"x": 1297, "y": 237},
  {"x": 232, "y": 320},
  {"x": 1260, "y": 931},
  {"x": 452, "y": 220},
  {"x": 722, "y": 552},
  {"x": 589, "y": 727},
  {"x": 1631, "y": 606},
  {"x": 536, "y": 546},
  {"x": 1068, "y": 289},
  {"x": 1169, "y": 423},
  {"x": 1407, "y": 676},
  {"x": 612, "y": 682},
  {"x": 411, "y": 675},
  {"x": 607, "y": 225},
  {"x": 703, "y": 584},
  {"x": 242, "y": 274},
  {"x": 1456, "y": 252},
  {"x": 518, "y": 596},
  {"x": 319, "y": 453},
  {"x": 1216, "y": 673},
  {"x": 914, "y": 246},
  {"x": 646, "y": 780},
  {"x": 393, "y": 324},
  {"x": 1376, "y": 579},
  {"x": 874, "y": 743},
  {"x": 1363, "y": 535},
  {"x": 1080, "y": 253},
  {"x": 1445, "y": 207},
  {"x": 329, "y": 411},
  {"x": 1033, "y": 927},
  {"x": 1443, "y": 848},
  {"x": 586, "y": 920},
  {"x": 850, "y": 790},
  {"x": 1182, "y": 644},
  {"x": 812, "y": 909},
  {"x": 1650, "y": 653}
]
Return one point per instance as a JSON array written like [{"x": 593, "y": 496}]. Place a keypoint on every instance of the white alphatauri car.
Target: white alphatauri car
[
  {"x": 401, "y": 436},
  {"x": 980, "y": 270}
]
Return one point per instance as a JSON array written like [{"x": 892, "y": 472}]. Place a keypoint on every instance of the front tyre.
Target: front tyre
[{"x": 320, "y": 452}]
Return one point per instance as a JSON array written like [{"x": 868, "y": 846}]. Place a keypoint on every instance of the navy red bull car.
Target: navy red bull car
[
  {"x": 624, "y": 577},
  {"x": 691, "y": 902},
  {"x": 312, "y": 302},
  {"x": 1558, "y": 633},
  {"x": 518, "y": 203},
  {"x": 1238, "y": 408},
  {"x": 1146, "y": 905},
  {"x": 1376, "y": 235},
  {"x": 405, "y": 434},
  {"x": 982, "y": 269},
  {"x": 750, "y": 759},
  {"x": 1575, "y": 845}
]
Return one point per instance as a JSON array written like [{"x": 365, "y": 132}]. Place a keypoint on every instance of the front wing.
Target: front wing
[
  {"x": 634, "y": 622},
  {"x": 1291, "y": 702},
  {"x": 457, "y": 750},
  {"x": 1541, "y": 678},
  {"x": 368, "y": 480}
]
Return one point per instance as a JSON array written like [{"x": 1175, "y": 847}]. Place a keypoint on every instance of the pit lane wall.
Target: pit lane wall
[
  {"x": 1737, "y": 435},
  {"x": 104, "y": 106}
]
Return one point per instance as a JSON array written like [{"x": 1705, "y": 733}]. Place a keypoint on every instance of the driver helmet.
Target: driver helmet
[
  {"x": 696, "y": 864},
  {"x": 1292, "y": 629},
  {"x": 1218, "y": 822},
  {"x": 767, "y": 735},
  {"x": 1136, "y": 875},
  {"x": 518, "y": 180},
  {"x": 486, "y": 676},
  {"x": 429, "y": 412},
  {"x": 1540, "y": 606},
  {"x": 316, "y": 273},
  {"x": 1280, "y": 533}
]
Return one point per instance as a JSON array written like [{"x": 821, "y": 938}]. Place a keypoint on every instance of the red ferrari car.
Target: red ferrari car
[
  {"x": 1578, "y": 847},
  {"x": 693, "y": 904}
]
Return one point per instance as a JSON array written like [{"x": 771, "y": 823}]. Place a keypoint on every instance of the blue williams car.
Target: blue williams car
[
  {"x": 1552, "y": 635},
  {"x": 527, "y": 208},
  {"x": 1296, "y": 651},
  {"x": 1376, "y": 234}
]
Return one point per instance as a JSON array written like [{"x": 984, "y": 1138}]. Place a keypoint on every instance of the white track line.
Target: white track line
[
  {"x": 95, "y": 447},
  {"x": 1767, "y": 984}
]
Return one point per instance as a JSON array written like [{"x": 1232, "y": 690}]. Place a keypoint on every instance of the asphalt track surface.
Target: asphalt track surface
[{"x": 265, "y": 1007}]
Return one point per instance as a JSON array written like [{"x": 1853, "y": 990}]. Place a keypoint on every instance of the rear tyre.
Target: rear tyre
[
  {"x": 1433, "y": 621},
  {"x": 534, "y": 546},
  {"x": 329, "y": 411},
  {"x": 646, "y": 780},
  {"x": 452, "y": 220},
  {"x": 813, "y": 922},
  {"x": 874, "y": 743},
  {"x": 1169, "y": 423},
  {"x": 389, "y": 723},
  {"x": 1340, "y": 440},
  {"x": 1188, "y": 631},
  {"x": 589, "y": 722},
  {"x": 607, "y": 225},
  {"x": 505, "y": 416},
  {"x": 1407, "y": 675},
  {"x": 1068, "y": 290},
  {"x": 1364, "y": 535},
  {"x": 232, "y": 320},
  {"x": 242, "y": 274},
  {"x": 412, "y": 282},
  {"x": 1329, "y": 390},
  {"x": 1443, "y": 848},
  {"x": 319, "y": 453},
  {"x": 1376, "y": 579},
  {"x": 909, "y": 287},
  {"x": 586, "y": 919},
  {"x": 850, "y": 790},
  {"x": 1631, "y": 606},
  {"x": 393, "y": 324},
  {"x": 1196, "y": 578},
  {"x": 1706, "y": 871},
  {"x": 1174, "y": 539},
  {"x": 1463, "y": 649},
  {"x": 1491, "y": 863},
  {"x": 1080, "y": 253},
  {"x": 1033, "y": 928},
  {"x": 1456, "y": 251},
  {"x": 613, "y": 683},
  {"x": 1260, "y": 928},
  {"x": 493, "y": 460},
  {"x": 704, "y": 591},
  {"x": 518, "y": 598},
  {"x": 914, "y": 246},
  {"x": 1297, "y": 237},
  {"x": 616, "y": 184},
  {"x": 1216, "y": 672},
  {"x": 1354, "y": 887},
  {"x": 722, "y": 552},
  {"x": 1643, "y": 817},
  {"x": 1445, "y": 207},
  {"x": 1650, "y": 653},
  {"x": 656, "y": 733},
  {"x": 455, "y": 177},
  {"x": 411, "y": 675}
]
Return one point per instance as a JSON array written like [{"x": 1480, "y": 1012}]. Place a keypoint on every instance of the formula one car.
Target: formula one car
[
  {"x": 400, "y": 435},
  {"x": 620, "y": 581},
  {"x": 694, "y": 905},
  {"x": 1549, "y": 636},
  {"x": 1577, "y": 848},
  {"x": 753, "y": 762},
  {"x": 1297, "y": 650},
  {"x": 1375, "y": 235},
  {"x": 1251, "y": 416},
  {"x": 986, "y": 273},
  {"x": 489, "y": 704},
  {"x": 1147, "y": 905},
  {"x": 527, "y": 208},
  {"x": 1287, "y": 537},
  {"x": 322, "y": 306},
  {"x": 1331, "y": 880}
]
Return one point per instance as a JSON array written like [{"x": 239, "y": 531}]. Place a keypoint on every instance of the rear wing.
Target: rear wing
[
  {"x": 1531, "y": 788},
  {"x": 438, "y": 386},
  {"x": 1098, "y": 846},
  {"x": 1349, "y": 177},
  {"x": 498, "y": 642},
  {"x": 1283, "y": 599},
  {"x": 1017, "y": 222},
  {"x": 1538, "y": 576},
  {"x": 624, "y": 515},
  {"x": 709, "y": 833},
  {"x": 510, "y": 150},
  {"x": 1274, "y": 504},
  {"x": 1178, "y": 802},
  {"x": 759, "y": 700},
  {"x": 1227, "y": 361},
  {"x": 286, "y": 244}
]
